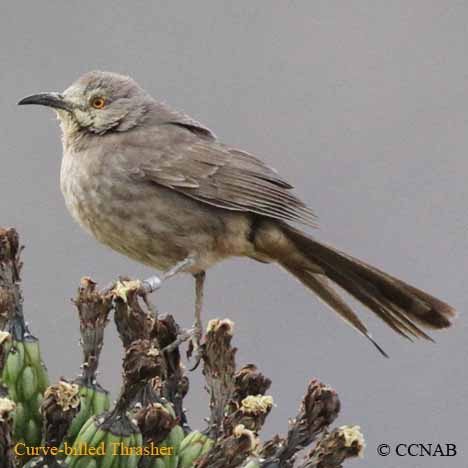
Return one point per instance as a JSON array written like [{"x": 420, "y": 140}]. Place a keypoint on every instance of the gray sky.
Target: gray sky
[{"x": 360, "y": 104}]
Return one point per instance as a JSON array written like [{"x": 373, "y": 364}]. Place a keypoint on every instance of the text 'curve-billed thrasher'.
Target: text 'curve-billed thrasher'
[{"x": 159, "y": 187}]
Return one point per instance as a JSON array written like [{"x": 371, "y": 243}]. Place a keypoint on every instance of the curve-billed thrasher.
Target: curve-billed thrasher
[{"x": 159, "y": 187}]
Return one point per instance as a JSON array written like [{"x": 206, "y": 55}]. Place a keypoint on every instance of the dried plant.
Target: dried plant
[
  {"x": 148, "y": 419},
  {"x": 7, "y": 455}
]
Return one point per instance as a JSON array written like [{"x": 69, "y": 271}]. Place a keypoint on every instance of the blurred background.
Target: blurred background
[{"x": 361, "y": 105}]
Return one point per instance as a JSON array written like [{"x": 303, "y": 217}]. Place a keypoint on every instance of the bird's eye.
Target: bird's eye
[{"x": 98, "y": 102}]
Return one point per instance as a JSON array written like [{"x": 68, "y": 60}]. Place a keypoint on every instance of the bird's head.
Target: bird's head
[{"x": 97, "y": 103}]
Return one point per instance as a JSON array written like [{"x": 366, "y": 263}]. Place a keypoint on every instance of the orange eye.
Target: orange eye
[{"x": 98, "y": 102}]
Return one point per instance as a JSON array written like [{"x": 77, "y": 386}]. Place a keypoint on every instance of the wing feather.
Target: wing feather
[{"x": 213, "y": 173}]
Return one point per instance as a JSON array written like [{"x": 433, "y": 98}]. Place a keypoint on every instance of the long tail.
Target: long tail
[{"x": 319, "y": 267}]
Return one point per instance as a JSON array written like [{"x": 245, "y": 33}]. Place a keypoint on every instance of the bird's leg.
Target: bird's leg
[
  {"x": 199, "y": 293},
  {"x": 198, "y": 326},
  {"x": 153, "y": 283},
  {"x": 183, "y": 335}
]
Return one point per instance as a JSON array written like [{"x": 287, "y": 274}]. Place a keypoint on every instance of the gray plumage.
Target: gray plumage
[{"x": 158, "y": 186}]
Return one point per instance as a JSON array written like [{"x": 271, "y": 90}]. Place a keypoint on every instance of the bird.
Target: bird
[{"x": 158, "y": 186}]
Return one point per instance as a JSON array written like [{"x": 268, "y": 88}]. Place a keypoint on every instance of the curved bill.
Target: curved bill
[{"x": 55, "y": 100}]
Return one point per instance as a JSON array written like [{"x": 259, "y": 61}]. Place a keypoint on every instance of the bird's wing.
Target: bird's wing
[{"x": 208, "y": 171}]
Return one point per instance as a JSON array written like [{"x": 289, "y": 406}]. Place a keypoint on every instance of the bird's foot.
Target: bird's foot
[
  {"x": 144, "y": 287},
  {"x": 195, "y": 349},
  {"x": 183, "y": 336},
  {"x": 153, "y": 283}
]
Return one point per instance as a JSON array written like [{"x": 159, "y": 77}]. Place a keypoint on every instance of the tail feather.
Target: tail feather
[
  {"x": 401, "y": 306},
  {"x": 366, "y": 293},
  {"x": 322, "y": 287},
  {"x": 423, "y": 308}
]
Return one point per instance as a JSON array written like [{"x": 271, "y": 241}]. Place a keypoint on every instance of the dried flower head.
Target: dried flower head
[
  {"x": 224, "y": 326},
  {"x": 124, "y": 287},
  {"x": 65, "y": 394},
  {"x": 218, "y": 368},
  {"x": 252, "y": 413},
  {"x": 6, "y": 409},
  {"x": 256, "y": 404},
  {"x": 319, "y": 408},
  {"x": 134, "y": 322},
  {"x": 9, "y": 245},
  {"x": 93, "y": 306},
  {"x": 142, "y": 362},
  {"x": 335, "y": 447},
  {"x": 4, "y": 337},
  {"x": 248, "y": 438},
  {"x": 353, "y": 438},
  {"x": 249, "y": 381},
  {"x": 155, "y": 422}
]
